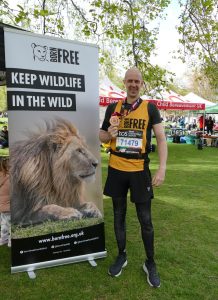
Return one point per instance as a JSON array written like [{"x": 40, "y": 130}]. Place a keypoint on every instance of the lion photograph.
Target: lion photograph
[{"x": 48, "y": 172}]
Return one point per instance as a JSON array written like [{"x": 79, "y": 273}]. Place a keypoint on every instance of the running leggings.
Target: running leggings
[{"x": 144, "y": 216}]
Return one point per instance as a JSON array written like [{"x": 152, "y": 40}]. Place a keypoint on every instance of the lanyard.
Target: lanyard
[{"x": 124, "y": 112}]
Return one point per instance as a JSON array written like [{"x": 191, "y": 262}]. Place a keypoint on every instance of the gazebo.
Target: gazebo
[{"x": 109, "y": 93}]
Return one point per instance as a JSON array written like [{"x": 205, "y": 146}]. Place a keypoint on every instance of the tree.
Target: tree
[
  {"x": 200, "y": 85},
  {"x": 199, "y": 30},
  {"x": 121, "y": 26}
]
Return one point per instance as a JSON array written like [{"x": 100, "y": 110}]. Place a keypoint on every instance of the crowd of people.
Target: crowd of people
[
  {"x": 201, "y": 123},
  {"x": 207, "y": 124}
]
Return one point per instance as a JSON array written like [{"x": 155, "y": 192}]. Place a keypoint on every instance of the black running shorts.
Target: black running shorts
[{"x": 139, "y": 183}]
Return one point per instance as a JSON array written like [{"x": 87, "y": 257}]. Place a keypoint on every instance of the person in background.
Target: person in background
[
  {"x": 194, "y": 125},
  {"x": 4, "y": 137},
  {"x": 209, "y": 125},
  {"x": 201, "y": 122},
  {"x": 5, "y": 202},
  {"x": 127, "y": 126}
]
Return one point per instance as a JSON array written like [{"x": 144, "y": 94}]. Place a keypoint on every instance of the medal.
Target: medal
[{"x": 115, "y": 119}]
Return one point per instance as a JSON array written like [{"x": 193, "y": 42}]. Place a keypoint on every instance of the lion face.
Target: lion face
[
  {"x": 76, "y": 160},
  {"x": 49, "y": 170},
  {"x": 39, "y": 52}
]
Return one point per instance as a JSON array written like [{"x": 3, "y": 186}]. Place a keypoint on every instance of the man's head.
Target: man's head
[
  {"x": 5, "y": 128},
  {"x": 133, "y": 82}
]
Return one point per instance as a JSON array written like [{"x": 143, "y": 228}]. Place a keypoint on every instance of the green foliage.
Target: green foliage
[
  {"x": 123, "y": 26},
  {"x": 6, "y": 13},
  {"x": 4, "y": 152},
  {"x": 178, "y": 90},
  {"x": 127, "y": 29},
  {"x": 154, "y": 77},
  {"x": 200, "y": 85},
  {"x": 3, "y": 99},
  {"x": 199, "y": 31}
]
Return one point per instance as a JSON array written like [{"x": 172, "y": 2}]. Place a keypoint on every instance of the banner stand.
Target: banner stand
[
  {"x": 91, "y": 260},
  {"x": 52, "y": 90},
  {"x": 30, "y": 269}
]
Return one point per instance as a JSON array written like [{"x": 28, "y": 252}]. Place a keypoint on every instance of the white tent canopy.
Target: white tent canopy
[
  {"x": 191, "y": 97},
  {"x": 109, "y": 92},
  {"x": 107, "y": 84},
  {"x": 164, "y": 95}
]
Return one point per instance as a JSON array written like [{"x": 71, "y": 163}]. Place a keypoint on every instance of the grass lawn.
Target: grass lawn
[
  {"x": 4, "y": 152},
  {"x": 186, "y": 221}
]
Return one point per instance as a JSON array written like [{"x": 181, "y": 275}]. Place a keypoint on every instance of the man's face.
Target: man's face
[
  {"x": 133, "y": 82},
  {"x": 5, "y": 128}
]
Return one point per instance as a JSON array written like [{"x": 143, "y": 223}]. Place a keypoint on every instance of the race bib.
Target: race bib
[{"x": 129, "y": 141}]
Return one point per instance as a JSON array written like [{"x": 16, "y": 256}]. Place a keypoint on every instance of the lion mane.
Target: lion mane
[{"x": 48, "y": 172}]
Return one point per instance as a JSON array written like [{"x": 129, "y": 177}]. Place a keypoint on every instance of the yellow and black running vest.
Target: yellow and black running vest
[{"x": 131, "y": 140}]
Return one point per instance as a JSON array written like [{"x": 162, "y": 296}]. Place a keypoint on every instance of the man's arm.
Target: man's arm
[
  {"x": 107, "y": 131},
  {"x": 106, "y": 136},
  {"x": 159, "y": 176}
]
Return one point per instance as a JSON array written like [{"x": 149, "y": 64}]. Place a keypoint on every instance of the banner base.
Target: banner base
[
  {"x": 64, "y": 261},
  {"x": 92, "y": 263},
  {"x": 31, "y": 274}
]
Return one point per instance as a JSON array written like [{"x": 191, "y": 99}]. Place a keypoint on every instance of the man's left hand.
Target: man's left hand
[{"x": 158, "y": 177}]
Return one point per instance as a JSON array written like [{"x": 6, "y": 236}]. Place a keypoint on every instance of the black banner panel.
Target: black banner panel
[
  {"x": 18, "y": 100},
  {"x": 54, "y": 246}
]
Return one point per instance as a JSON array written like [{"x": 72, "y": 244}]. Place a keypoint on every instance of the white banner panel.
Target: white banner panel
[{"x": 56, "y": 194}]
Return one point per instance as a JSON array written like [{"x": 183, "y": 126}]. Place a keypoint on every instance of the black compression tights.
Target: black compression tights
[{"x": 144, "y": 216}]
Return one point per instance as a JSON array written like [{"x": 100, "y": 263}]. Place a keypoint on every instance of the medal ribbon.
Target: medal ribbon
[{"x": 134, "y": 105}]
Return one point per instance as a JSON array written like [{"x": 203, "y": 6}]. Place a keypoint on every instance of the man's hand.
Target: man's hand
[
  {"x": 158, "y": 177},
  {"x": 113, "y": 130}
]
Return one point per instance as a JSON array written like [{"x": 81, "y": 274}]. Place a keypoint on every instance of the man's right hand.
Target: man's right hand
[{"x": 113, "y": 130}]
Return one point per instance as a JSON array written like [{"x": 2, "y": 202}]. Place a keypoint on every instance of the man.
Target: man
[{"x": 127, "y": 126}]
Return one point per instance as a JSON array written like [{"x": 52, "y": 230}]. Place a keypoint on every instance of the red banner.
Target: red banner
[
  {"x": 167, "y": 105},
  {"x": 178, "y": 105},
  {"x": 105, "y": 101}
]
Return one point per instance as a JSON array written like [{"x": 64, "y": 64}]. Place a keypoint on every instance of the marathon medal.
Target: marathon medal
[{"x": 115, "y": 120}]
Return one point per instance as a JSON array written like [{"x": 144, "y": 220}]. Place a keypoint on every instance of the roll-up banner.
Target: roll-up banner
[{"x": 56, "y": 194}]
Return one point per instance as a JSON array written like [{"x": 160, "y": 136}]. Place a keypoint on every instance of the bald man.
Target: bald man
[{"x": 127, "y": 127}]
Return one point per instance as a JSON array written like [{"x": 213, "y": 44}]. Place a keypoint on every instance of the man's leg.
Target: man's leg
[
  {"x": 119, "y": 208},
  {"x": 144, "y": 216},
  {"x": 147, "y": 231}
]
